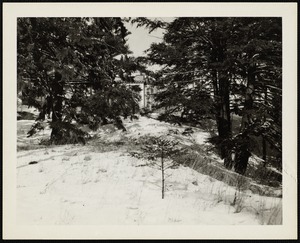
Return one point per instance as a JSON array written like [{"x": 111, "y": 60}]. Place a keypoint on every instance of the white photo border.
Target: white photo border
[{"x": 288, "y": 12}]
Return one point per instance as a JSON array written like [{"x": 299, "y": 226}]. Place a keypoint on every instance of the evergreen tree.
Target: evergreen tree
[
  {"x": 65, "y": 63},
  {"x": 234, "y": 61}
]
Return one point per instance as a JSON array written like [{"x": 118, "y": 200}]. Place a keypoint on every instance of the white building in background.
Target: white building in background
[{"x": 147, "y": 90}]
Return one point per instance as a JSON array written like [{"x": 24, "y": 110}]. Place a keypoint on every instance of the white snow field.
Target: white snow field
[{"x": 98, "y": 185}]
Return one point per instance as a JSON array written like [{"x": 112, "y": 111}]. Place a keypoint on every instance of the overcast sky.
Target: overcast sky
[{"x": 140, "y": 40}]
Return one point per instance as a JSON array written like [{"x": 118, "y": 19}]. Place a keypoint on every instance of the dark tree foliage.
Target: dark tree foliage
[
  {"x": 66, "y": 63},
  {"x": 216, "y": 67}
]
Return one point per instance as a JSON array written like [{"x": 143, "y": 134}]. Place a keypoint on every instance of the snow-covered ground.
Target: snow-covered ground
[{"x": 77, "y": 185}]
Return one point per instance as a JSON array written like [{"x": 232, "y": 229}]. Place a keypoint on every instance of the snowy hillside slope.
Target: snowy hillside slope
[{"x": 100, "y": 183}]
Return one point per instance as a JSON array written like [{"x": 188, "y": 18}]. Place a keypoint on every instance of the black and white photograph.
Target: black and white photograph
[{"x": 149, "y": 121}]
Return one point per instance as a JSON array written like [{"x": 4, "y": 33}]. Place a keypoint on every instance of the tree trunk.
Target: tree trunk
[
  {"x": 248, "y": 105},
  {"x": 57, "y": 98},
  {"x": 221, "y": 94},
  {"x": 223, "y": 114},
  {"x": 243, "y": 154},
  {"x": 264, "y": 142},
  {"x": 162, "y": 175},
  {"x": 241, "y": 161}
]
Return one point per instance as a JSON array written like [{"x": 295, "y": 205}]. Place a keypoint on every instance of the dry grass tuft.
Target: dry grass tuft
[{"x": 269, "y": 216}]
